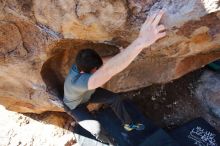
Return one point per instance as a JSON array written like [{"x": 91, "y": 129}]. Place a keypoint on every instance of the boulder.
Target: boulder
[
  {"x": 208, "y": 92},
  {"x": 39, "y": 40}
]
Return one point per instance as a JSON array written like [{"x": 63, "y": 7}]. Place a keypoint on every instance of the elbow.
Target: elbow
[{"x": 91, "y": 84}]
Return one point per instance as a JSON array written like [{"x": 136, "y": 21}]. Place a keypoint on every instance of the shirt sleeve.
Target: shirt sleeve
[{"x": 82, "y": 81}]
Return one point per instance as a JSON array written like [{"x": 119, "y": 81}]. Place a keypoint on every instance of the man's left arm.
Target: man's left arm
[
  {"x": 150, "y": 32},
  {"x": 107, "y": 58}
]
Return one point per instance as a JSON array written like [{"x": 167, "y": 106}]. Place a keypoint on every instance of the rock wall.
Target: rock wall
[
  {"x": 39, "y": 39},
  {"x": 208, "y": 92}
]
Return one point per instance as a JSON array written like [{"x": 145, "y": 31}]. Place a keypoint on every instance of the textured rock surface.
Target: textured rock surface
[
  {"x": 208, "y": 92},
  {"x": 22, "y": 46},
  {"x": 187, "y": 48},
  {"x": 177, "y": 102},
  {"x": 37, "y": 46}
]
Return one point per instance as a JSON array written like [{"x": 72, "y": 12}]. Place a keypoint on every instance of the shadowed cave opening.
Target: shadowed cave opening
[{"x": 63, "y": 54}]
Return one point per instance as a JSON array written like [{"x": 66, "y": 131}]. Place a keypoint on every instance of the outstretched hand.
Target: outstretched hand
[{"x": 151, "y": 31}]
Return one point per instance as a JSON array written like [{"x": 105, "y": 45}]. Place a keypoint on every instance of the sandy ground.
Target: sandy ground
[{"x": 21, "y": 130}]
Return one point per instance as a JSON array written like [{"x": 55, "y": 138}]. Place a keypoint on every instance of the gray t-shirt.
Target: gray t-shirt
[{"x": 76, "y": 88}]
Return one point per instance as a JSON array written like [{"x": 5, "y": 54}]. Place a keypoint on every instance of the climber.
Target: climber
[{"x": 88, "y": 74}]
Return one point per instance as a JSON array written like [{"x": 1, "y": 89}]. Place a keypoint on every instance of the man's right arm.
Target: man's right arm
[{"x": 149, "y": 33}]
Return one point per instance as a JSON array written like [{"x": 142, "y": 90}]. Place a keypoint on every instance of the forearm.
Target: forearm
[
  {"x": 150, "y": 32},
  {"x": 106, "y": 59},
  {"x": 119, "y": 62},
  {"x": 115, "y": 65}
]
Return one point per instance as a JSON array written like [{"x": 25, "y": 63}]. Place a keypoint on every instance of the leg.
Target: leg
[
  {"x": 86, "y": 120},
  {"x": 107, "y": 97},
  {"x": 81, "y": 113}
]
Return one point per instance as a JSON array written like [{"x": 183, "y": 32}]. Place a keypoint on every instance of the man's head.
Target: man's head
[{"x": 87, "y": 60}]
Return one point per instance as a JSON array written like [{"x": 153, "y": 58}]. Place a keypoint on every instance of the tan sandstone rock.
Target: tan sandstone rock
[{"x": 39, "y": 39}]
